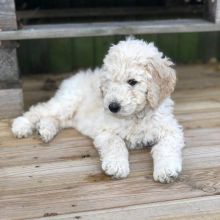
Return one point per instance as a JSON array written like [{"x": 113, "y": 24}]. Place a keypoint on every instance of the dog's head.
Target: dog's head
[{"x": 135, "y": 75}]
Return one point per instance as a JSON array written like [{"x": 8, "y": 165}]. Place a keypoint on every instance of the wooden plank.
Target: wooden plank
[
  {"x": 7, "y": 15},
  {"x": 109, "y": 28},
  {"x": 75, "y": 184},
  {"x": 11, "y": 98},
  {"x": 60, "y": 56},
  {"x": 11, "y": 101},
  {"x": 208, "y": 44},
  {"x": 107, "y": 11},
  {"x": 31, "y": 56},
  {"x": 188, "y": 47},
  {"x": 72, "y": 146},
  {"x": 168, "y": 43},
  {"x": 192, "y": 209},
  {"x": 101, "y": 46},
  {"x": 213, "y": 10},
  {"x": 150, "y": 38},
  {"x": 8, "y": 59},
  {"x": 82, "y": 53},
  {"x": 24, "y": 59},
  {"x": 36, "y": 169},
  {"x": 63, "y": 179},
  {"x": 8, "y": 64}
]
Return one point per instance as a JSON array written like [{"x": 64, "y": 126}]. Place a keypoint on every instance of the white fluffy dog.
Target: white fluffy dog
[{"x": 123, "y": 105}]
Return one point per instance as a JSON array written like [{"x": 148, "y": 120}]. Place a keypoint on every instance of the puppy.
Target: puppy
[{"x": 123, "y": 105}]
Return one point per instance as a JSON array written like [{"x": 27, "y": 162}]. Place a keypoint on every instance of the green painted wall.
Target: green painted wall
[{"x": 63, "y": 55}]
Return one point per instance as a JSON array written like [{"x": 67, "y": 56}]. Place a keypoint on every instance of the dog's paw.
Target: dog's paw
[
  {"x": 47, "y": 129},
  {"x": 166, "y": 171},
  {"x": 21, "y": 127},
  {"x": 116, "y": 168}
]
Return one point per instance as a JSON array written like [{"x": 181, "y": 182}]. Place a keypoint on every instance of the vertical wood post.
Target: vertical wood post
[
  {"x": 11, "y": 98},
  {"x": 213, "y": 10}
]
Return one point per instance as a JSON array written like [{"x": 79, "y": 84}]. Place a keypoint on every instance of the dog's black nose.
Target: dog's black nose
[{"x": 114, "y": 107}]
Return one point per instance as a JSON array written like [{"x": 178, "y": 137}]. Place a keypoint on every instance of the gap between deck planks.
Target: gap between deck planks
[{"x": 63, "y": 179}]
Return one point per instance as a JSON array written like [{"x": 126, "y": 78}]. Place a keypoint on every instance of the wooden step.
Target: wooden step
[{"x": 109, "y": 28}]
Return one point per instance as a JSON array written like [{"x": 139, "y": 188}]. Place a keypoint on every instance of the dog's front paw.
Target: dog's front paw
[
  {"x": 116, "y": 168},
  {"x": 21, "y": 127},
  {"x": 47, "y": 129},
  {"x": 166, "y": 171}
]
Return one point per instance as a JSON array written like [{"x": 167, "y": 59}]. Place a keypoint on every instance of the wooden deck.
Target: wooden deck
[{"x": 63, "y": 179}]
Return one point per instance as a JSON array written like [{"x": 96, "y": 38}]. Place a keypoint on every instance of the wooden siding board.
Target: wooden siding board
[
  {"x": 213, "y": 10},
  {"x": 7, "y": 15},
  {"x": 11, "y": 99},
  {"x": 8, "y": 64},
  {"x": 168, "y": 44},
  {"x": 208, "y": 46},
  {"x": 109, "y": 28},
  {"x": 34, "y": 56},
  {"x": 60, "y": 57},
  {"x": 203, "y": 46},
  {"x": 8, "y": 59},
  {"x": 101, "y": 46},
  {"x": 187, "y": 47},
  {"x": 149, "y": 38},
  {"x": 83, "y": 55}
]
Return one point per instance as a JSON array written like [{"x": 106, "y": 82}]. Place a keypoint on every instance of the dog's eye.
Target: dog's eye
[{"x": 132, "y": 82}]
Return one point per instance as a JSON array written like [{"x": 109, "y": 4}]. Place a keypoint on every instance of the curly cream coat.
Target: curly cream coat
[{"x": 139, "y": 81}]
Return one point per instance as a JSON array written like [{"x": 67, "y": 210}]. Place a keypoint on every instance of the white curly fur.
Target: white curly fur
[{"x": 146, "y": 114}]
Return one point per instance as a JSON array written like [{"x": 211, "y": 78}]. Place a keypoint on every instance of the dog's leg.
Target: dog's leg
[
  {"x": 59, "y": 110},
  {"x": 23, "y": 126},
  {"x": 49, "y": 114},
  {"x": 167, "y": 156},
  {"x": 47, "y": 128},
  {"x": 113, "y": 154}
]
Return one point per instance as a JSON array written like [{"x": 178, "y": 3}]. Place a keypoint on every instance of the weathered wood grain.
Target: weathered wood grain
[
  {"x": 20, "y": 161},
  {"x": 199, "y": 208},
  {"x": 11, "y": 99},
  {"x": 8, "y": 64},
  {"x": 8, "y": 58},
  {"x": 74, "y": 182},
  {"x": 63, "y": 179},
  {"x": 69, "y": 145},
  {"x": 109, "y": 28},
  {"x": 213, "y": 10},
  {"x": 7, "y": 15},
  {"x": 69, "y": 188}
]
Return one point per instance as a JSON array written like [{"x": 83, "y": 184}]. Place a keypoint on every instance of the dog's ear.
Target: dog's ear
[{"x": 161, "y": 80}]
